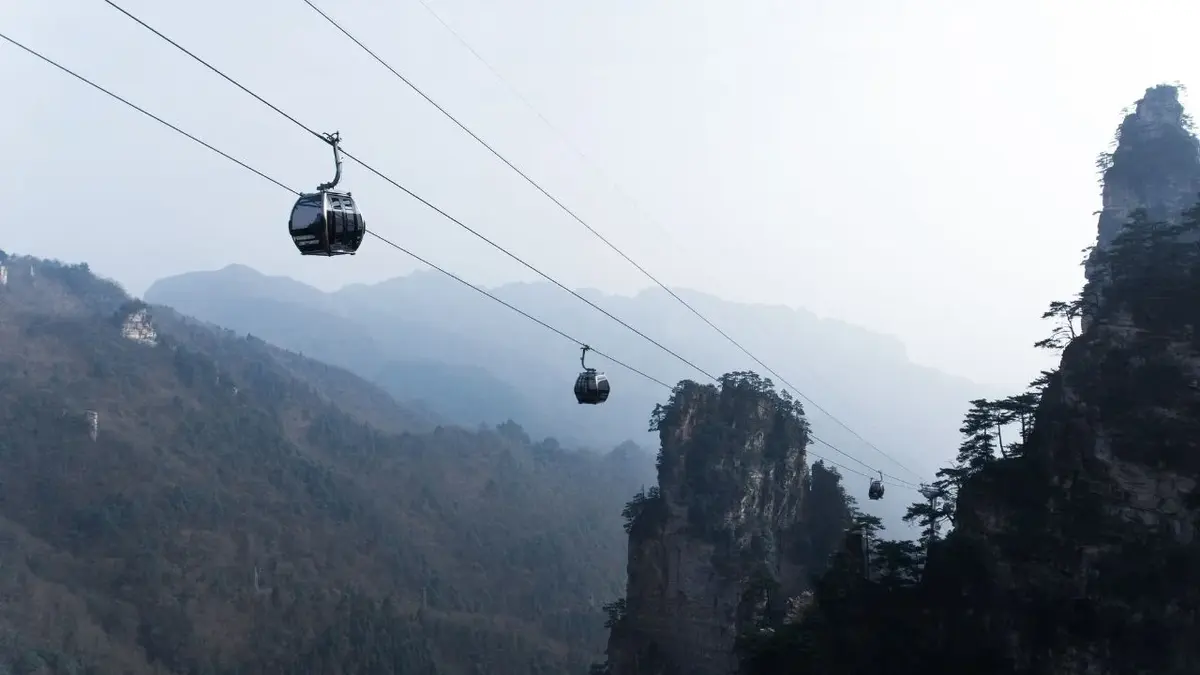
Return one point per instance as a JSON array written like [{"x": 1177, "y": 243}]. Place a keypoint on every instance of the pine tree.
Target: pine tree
[
  {"x": 937, "y": 508},
  {"x": 1018, "y": 408},
  {"x": 978, "y": 448},
  {"x": 1065, "y": 314}
]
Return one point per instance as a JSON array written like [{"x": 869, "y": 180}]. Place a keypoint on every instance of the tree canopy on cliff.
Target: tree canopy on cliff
[
  {"x": 893, "y": 608},
  {"x": 733, "y": 473}
]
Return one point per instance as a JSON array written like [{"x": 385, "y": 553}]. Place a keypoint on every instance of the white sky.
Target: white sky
[{"x": 917, "y": 167}]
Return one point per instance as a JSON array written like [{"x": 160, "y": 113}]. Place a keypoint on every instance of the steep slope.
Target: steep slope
[
  {"x": 1077, "y": 554},
  {"x": 242, "y": 509},
  {"x": 729, "y": 535},
  {"x": 906, "y": 409}
]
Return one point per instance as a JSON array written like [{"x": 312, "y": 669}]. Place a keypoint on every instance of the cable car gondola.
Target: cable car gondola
[
  {"x": 591, "y": 387},
  {"x": 875, "y": 491},
  {"x": 326, "y": 222}
]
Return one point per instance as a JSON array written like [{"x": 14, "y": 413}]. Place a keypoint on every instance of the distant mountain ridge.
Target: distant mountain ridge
[{"x": 471, "y": 360}]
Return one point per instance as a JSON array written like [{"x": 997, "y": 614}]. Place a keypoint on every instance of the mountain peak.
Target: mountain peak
[
  {"x": 1158, "y": 108},
  {"x": 1155, "y": 164},
  {"x": 729, "y": 534},
  {"x": 243, "y": 280},
  {"x": 240, "y": 270},
  {"x": 1154, "y": 168}
]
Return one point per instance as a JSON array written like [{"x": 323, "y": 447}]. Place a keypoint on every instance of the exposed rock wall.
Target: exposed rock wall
[
  {"x": 1079, "y": 555},
  {"x": 1154, "y": 166},
  {"x": 138, "y": 328},
  {"x": 719, "y": 545},
  {"x": 1088, "y": 545},
  {"x": 1084, "y": 551}
]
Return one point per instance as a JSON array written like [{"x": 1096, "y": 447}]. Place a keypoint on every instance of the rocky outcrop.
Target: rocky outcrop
[
  {"x": 1154, "y": 167},
  {"x": 138, "y": 328},
  {"x": 1078, "y": 554},
  {"x": 1081, "y": 557},
  {"x": 721, "y": 544},
  {"x": 1087, "y": 545}
]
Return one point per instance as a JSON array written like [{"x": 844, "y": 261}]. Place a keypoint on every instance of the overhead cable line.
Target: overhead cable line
[
  {"x": 463, "y": 225},
  {"x": 414, "y": 195},
  {"x": 477, "y": 233},
  {"x": 516, "y": 92},
  {"x": 293, "y": 191},
  {"x": 580, "y": 220}
]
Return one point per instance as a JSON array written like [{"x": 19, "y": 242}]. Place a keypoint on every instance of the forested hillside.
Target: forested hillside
[{"x": 239, "y": 509}]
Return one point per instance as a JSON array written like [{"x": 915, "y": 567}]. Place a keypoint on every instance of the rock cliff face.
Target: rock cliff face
[
  {"x": 1078, "y": 555},
  {"x": 1088, "y": 544},
  {"x": 1099, "y": 519},
  {"x": 1155, "y": 167},
  {"x": 721, "y": 543}
]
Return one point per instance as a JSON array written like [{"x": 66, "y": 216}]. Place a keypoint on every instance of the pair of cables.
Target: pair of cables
[{"x": 894, "y": 480}]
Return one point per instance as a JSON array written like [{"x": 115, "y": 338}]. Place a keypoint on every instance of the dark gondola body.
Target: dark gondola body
[
  {"x": 591, "y": 387},
  {"x": 875, "y": 491},
  {"x": 326, "y": 223}
]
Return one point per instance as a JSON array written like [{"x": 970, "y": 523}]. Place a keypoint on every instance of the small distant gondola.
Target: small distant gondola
[
  {"x": 326, "y": 222},
  {"x": 875, "y": 491},
  {"x": 591, "y": 387}
]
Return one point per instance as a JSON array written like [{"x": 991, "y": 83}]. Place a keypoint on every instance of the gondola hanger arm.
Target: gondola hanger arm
[{"x": 334, "y": 139}]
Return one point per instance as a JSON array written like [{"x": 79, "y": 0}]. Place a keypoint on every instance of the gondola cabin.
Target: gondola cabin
[
  {"x": 591, "y": 387},
  {"x": 875, "y": 491},
  {"x": 326, "y": 223}
]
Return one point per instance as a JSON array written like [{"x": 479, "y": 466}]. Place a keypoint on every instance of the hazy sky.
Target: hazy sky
[{"x": 920, "y": 168}]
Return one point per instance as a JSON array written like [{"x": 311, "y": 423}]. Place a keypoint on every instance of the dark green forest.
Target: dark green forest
[
  {"x": 244, "y": 510},
  {"x": 898, "y": 607}
]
